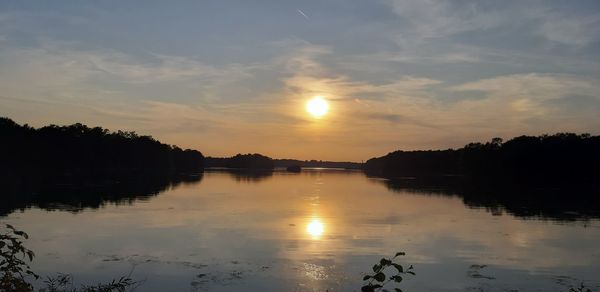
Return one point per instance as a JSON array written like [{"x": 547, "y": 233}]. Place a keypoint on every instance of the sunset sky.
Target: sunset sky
[{"x": 225, "y": 77}]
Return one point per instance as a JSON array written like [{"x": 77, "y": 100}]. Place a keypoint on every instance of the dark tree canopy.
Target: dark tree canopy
[
  {"x": 561, "y": 158},
  {"x": 79, "y": 148},
  {"x": 317, "y": 163},
  {"x": 242, "y": 161}
]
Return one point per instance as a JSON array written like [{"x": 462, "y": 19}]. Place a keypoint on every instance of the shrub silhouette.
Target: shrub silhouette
[
  {"x": 15, "y": 273},
  {"x": 379, "y": 279},
  {"x": 13, "y": 261}
]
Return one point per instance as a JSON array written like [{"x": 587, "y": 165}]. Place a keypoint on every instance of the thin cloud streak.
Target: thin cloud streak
[{"x": 303, "y": 14}]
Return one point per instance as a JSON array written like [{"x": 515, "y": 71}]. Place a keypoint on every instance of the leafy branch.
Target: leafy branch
[
  {"x": 13, "y": 266},
  {"x": 379, "y": 279},
  {"x": 15, "y": 271}
]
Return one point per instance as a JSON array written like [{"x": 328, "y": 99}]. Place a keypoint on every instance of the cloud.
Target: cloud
[
  {"x": 298, "y": 55},
  {"x": 306, "y": 75},
  {"x": 575, "y": 30},
  {"x": 395, "y": 118},
  {"x": 437, "y": 18},
  {"x": 528, "y": 103},
  {"x": 512, "y": 20},
  {"x": 533, "y": 86},
  {"x": 303, "y": 14},
  {"x": 63, "y": 71}
]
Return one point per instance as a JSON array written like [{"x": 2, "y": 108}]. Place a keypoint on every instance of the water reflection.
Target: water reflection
[
  {"x": 312, "y": 231},
  {"x": 577, "y": 203},
  {"x": 244, "y": 175},
  {"x": 315, "y": 228},
  {"x": 75, "y": 193}
]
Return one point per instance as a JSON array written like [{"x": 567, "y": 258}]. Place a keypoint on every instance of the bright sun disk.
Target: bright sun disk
[
  {"x": 317, "y": 106},
  {"x": 315, "y": 228}
]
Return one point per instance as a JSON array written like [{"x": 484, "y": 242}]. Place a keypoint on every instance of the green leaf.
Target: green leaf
[
  {"x": 397, "y": 279},
  {"x": 367, "y": 277},
  {"x": 385, "y": 262},
  {"x": 398, "y": 267},
  {"x": 400, "y": 254},
  {"x": 376, "y": 268},
  {"x": 380, "y": 277}
]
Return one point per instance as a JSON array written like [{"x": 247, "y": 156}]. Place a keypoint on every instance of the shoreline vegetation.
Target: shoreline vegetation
[
  {"x": 261, "y": 162},
  {"x": 75, "y": 149},
  {"x": 554, "y": 175},
  {"x": 562, "y": 159}
]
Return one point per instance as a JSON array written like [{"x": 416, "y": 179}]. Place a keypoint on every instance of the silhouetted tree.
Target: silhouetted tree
[
  {"x": 562, "y": 158},
  {"x": 242, "y": 161},
  {"x": 78, "y": 148},
  {"x": 316, "y": 163}
]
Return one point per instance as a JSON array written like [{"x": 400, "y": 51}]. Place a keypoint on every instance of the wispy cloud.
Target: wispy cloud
[
  {"x": 436, "y": 18},
  {"x": 303, "y": 14},
  {"x": 524, "y": 102},
  {"x": 396, "y": 118},
  {"x": 534, "y": 86},
  {"x": 574, "y": 30}
]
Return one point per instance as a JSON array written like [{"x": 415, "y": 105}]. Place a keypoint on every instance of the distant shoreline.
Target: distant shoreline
[{"x": 559, "y": 159}]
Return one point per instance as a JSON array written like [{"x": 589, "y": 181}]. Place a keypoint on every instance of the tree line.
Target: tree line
[
  {"x": 317, "y": 163},
  {"x": 253, "y": 161},
  {"x": 78, "y": 148},
  {"x": 561, "y": 158}
]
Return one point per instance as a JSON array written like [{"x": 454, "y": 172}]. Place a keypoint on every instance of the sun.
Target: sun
[{"x": 317, "y": 106}]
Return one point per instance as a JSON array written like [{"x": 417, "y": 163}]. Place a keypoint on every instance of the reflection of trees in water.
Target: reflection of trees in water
[
  {"x": 76, "y": 193},
  {"x": 562, "y": 204},
  {"x": 244, "y": 175},
  {"x": 250, "y": 176}
]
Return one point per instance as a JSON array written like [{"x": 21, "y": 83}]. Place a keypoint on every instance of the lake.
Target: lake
[{"x": 311, "y": 231}]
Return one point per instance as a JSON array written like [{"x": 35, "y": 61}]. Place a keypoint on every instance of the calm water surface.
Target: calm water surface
[{"x": 313, "y": 231}]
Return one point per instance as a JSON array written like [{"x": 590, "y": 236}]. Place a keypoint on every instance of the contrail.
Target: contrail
[{"x": 302, "y": 13}]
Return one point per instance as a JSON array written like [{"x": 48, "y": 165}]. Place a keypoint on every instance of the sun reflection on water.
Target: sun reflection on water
[{"x": 315, "y": 228}]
